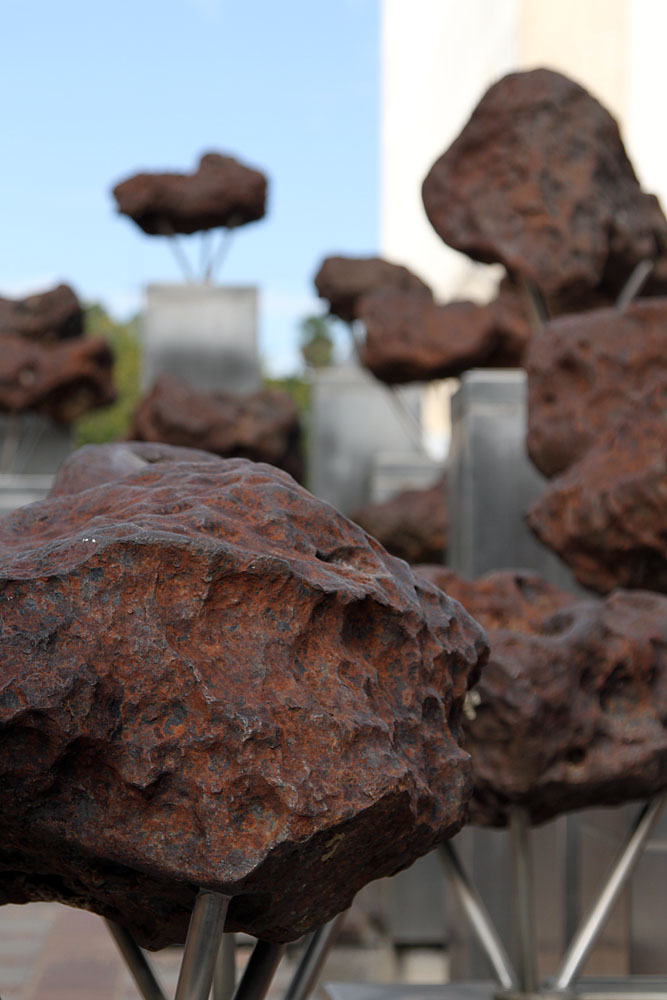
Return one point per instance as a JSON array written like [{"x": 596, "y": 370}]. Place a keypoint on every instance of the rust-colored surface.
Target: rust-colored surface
[
  {"x": 62, "y": 380},
  {"x": 263, "y": 426},
  {"x": 221, "y": 192},
  {"x": 585, "y": 372},
  {"x": 607, "y": 515},
  {"x": 343, "y": 281},
  {"x": 210, "y": 678},
  {"x": 412, "y": 525},
  {"x": 410, "y": 339},
  {"x": 52, "y": 315},
  {"x": 519, "y": 600},
  {"x": 573, "y": 702},
  {"x": 539, "y": 181}
]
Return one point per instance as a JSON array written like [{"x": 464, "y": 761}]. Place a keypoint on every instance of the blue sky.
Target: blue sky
[{"x": 93, "y": 91}]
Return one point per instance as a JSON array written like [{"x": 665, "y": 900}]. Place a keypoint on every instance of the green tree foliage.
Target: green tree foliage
[
  {"x": 316, "y": 341},
  {"x": 111, "y": 423}
]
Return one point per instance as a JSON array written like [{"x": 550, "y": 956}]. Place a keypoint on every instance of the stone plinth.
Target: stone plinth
[{"x": 203, "y": 334}]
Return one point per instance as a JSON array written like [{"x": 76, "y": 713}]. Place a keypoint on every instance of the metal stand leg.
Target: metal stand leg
[
  {"x": 478, "y": 916},
  {"x": 259, "y": 971},
  {"x": 525, "y": 911},
  {"x": 586, "y": 936},
  {"x": 307, "y": 972},
  {"x": 202, "y": 946},
  {"x": 136, "y": 962},
  {"x": 633, "y": 285},
  {"x": 224, "y": 976}
]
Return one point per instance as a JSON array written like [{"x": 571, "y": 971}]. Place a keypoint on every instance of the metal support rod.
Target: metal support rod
[
  {"x": 523, "y": 898},
  {"x": 634, "y": 284},
  {"x": 538, "y": 313},
  {"x": 202, "y": 946},
  {"x": 315, "y": 955},
  {"x": 478, "y": 916},
  {"x": 180, "y": 256},
  {"x": 224, "y": 976},
  {"x": 218, "y": 256},
  {"x": 586, "y": 936},
  {"x": 137, "y": 963},
  {"x": 259, "y": 972}
]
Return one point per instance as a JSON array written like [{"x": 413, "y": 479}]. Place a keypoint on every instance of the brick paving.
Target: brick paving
[{"x": 53, "y": 952}]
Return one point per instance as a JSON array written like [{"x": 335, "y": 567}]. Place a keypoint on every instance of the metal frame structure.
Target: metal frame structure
[
  {"x": 523, "y": 982},
  {"x": 209, "y": 959}
]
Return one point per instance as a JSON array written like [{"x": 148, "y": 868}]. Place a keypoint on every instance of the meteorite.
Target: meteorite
[
  {"x": 55, "y": 314},
  {"x": 343, "y": 281},
  {"x": 263, "y": 426},
  {"x": 539, "y": 181},
  {"x": 585, "y": 372},
  {"x": 221, "y": 192},
  {"x": 412, "y": 525},
  {"x": 571, "y": 710},
  {"x": 61, "y": 380},
  {"x": 211, "y": 678}
]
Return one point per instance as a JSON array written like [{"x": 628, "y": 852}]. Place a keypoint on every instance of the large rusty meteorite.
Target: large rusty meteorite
[
  {"x": 221, "y": 192},
  {"x": 412, "y": 524},
  {"x": 343, "y": 281},
  {"x": 410, "y": 338},
  {"x": 586, "y": 372},
  {"x": 263, "y": 426},
  {"x": 572, "y": 709},
  {"x": 211, "y": 678},
  {"x": 606, "y": 517},
  {"x": 52, "y": 315},
  {"x": 61, "y": 380},
  {"x": 539, "y": 181}
]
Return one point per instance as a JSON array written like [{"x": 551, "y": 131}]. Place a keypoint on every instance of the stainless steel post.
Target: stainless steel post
[
  {"x": 478, "y": 916},
  {"x": 524, "y": 902},
  {"x": 201, "y": 946},
  {"x": 315, "y": 955},
  {"x": 633, "y": 285},
  {"x": 137, "y": 963},
  {"x": 224, "y": 975},
  {"x": 586, "y": 936},
  {"x": 259, "y": 971}
]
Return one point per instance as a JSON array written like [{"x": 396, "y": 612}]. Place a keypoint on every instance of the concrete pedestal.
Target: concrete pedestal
[
  {"x": 354, "y": 418},
  {"x": 203, "y": 334},
  {"x": 31, "y": 449}
]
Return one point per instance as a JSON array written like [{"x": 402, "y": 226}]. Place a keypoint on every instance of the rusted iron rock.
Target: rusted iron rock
[
  {"x": 412, "y": 525},
  {"x": 539, "y": 181},
  {"x": 518, "y": 600},
  {"x": 343, "y": 281},
  {"x": 411, "y": 339},
  {"x": 52, "y": 315},
  {"x": 585, "y": 372},
  {"x": 571, "y": 708},
  {"x": 61, "y": 380},
  {"x": 221, "y": 192},
  {"x": 606, "y": 517},
  {"x": 208, "y": 677},
  {"x": 263, "y": 426}
]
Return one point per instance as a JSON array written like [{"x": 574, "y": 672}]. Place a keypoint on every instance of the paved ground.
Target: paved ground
[{"x": 52, "y": 952}]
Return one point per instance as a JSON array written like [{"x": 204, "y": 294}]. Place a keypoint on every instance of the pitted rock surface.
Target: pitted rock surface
[
  {"x": 343, "y": 281},
  {"x": 221, "y": 192},
  {"x": 539, "y": 181},
  {"x": 410, "y": 339},
  {"x": 585, "y": 372},
  {"x": 572, "y": 707},
  {"x": 412, "y": 525},
  {"x": 52, "y": 315},
  {"x": 211, "y": 678},
  {"x": 519, "y": 600},
  {"x": 606, "y": 517},
  {"x": 263, "y": 426},
  {"x": 61, "y": 380}
]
